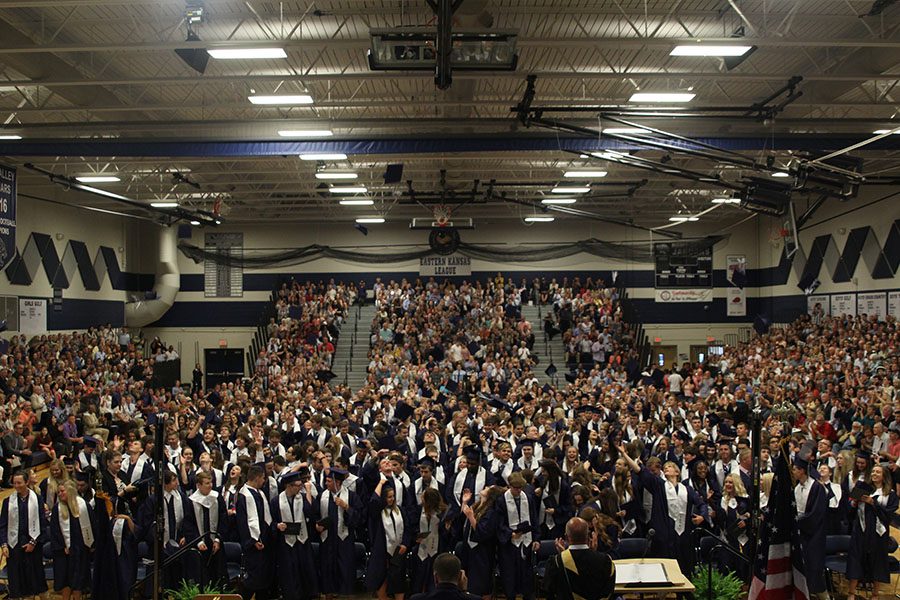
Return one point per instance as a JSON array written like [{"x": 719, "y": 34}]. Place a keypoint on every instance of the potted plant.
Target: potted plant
[
  {"x": 725, "y": 586},
  {"x": 188, "y": 590}
]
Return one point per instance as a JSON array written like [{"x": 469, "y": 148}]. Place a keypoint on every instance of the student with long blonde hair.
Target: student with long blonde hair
[{"x": 72, "y": 541}]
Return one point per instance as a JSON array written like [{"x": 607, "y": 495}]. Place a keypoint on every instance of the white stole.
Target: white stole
[
  {"x": 253, "y": 522},
  {"x": 210, "y": 502},
  {"x": 676, "y": 498},
  {"x": 460, "y": 481},
  {"x": 861, "y": 512},
  {"x": 516, "y": 517},
  {"x": 506, "y": 470},
  {"x": 138, "y": 467},
  {"x": 299, "y": 517},
  {"x": 342, "y": 531},
  {"x": 179, "y": 512},
  {"x": 84, "y": 522},
  {"x": 430, "y": 526},
  {"x": 118, "y": 529},
  {"x": 12, "y": 517},
  {"x": 420, "y": 488},
  {"x": 837, "y": 493},
  {"x": 392, "y": 520}
]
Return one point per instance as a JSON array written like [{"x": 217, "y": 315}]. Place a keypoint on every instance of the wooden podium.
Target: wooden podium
[{"x": 681, "y": 586}]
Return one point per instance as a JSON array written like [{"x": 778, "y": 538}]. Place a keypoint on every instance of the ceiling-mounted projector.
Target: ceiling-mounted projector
[{"x": 413, "y": 49}]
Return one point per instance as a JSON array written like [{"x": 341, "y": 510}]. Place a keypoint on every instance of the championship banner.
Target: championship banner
[
  {"x": 452, "y": 265},
  {"x": 823, "y": 299},
  {"x": 737, "y": 302},
  {"x": 695, "y": 295},
  {"x": 843, "y": 305},
  {"x": 894, "y": 305},
  {"x": 874, "y": 303},
  {"x": 7, "y": 215}
]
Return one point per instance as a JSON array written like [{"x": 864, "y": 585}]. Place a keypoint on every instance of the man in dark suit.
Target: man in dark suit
[
  {"x": 578, "y": 572},
  {"x": 450, "y": 580}
]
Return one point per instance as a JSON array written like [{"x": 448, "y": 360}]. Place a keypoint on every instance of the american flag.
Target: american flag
[{"x": 778, "y": 570}]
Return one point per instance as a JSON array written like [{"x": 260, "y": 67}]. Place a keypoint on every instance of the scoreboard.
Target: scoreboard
[{"x": 683, "y": 265}]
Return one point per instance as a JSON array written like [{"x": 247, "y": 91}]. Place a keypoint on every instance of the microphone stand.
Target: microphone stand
[{"x": 720, "y": 545}]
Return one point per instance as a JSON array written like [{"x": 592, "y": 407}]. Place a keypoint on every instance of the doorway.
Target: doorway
[{"x": 664, "y": 356}]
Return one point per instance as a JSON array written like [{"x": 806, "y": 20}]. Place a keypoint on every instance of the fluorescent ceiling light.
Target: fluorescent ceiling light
[
  {"x": 305, "y": 133},
  {"x": 661, "y": 97},
  {"x": 164, "y": 204},
  {"x": 246, "y": 53},
  {"x": 631, "y": 130},
  {"x": 360, "y": 189},
  {"x": 539, "y": 219},
  {"x": 584, "y": 174},
  {"x": 781, "y": 174},
  {"x": 683, "y": 218},
  {"x": 569, "y": 189},
  {"x": 325, "y": 156},
  {"x": 98, "y": 179},
  {"x": 361, "y": 202},
  {"x": 281, "y": 100},
  {"x": 327, "y": 175},
  {"x": 195, "y": 223},
  {"x": 876, "y": 132},
  {"x": 367, "y": 220},
  {"x": 726, "y": 200},
  {"x": 10, "y": 137},
  {"x": 610, "y": 154},
  {"x": 698, "y": 50},
  {"x": 558, "y": 201}
]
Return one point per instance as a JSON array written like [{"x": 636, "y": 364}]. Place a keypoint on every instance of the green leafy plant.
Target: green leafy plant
[
  {"x": 188, "y": 590},
  {"x": 725, "y": 586}
]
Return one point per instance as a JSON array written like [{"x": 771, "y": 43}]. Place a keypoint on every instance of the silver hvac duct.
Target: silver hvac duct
[{"x": 168, "y": 281}]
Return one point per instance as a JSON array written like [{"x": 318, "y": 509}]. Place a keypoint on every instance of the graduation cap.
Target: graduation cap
[
  {"x": 713, "y": 419},
  {"x": 527, "y": 442},
  {"x": 570, "y": 377},
  {"x": 503, "y": 389},
  {"x": 336, "y": 474},
  {"x": 68, "y": 460},
  {"x": 474, "y": 347},
  {"x": 451, "y": 386},
  {"x": 862, "y": 453},
  {"x": 683, "y": 436},
  {"x": 82, "y": 476},
  {"x": 551, "y": 370},
  {"x": 801, "y": 463},
  {"x": 403, "y": 411},
  {"x": 325, "y": 375},
  {"x": 427, "y": 461},
  {"x": 547, "y": 388},
  {"x": 472, "y": 452},
  {"x": 500, "y": 404},
  {"x": 90, "y": 441},
  {"x": 387, "y": 442},
  {"x": 291, "y": 478}
]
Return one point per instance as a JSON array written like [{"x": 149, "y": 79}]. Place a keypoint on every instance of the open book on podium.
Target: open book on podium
[{"x": 643, "y": 574}]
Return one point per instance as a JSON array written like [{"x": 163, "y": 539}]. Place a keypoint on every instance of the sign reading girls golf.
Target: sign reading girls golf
[{"x": 7, "y": 215}]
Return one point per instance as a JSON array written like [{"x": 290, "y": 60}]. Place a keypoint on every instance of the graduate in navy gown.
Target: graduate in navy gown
[
  {"x": 173, "y": 523},
  {"x": 295, "y": 507},
  {"x": 478, "y": 548},
  {"x": 427, "y": 522},
  {"x": 122, "y": 540},
  {"x": 554, "y": 497},
  {"x": 72, "y": 542},
  {"x": 340, "y": 511},
  {"x": 390, "y": 536},
  {"x": 23, "y": 531},
  {"x": 838, "y": 505},
  {"x": 205, "y": 514},
  {"x": 518, "y": 535},
  {"x": 675, "y": 510},
  {"x": 733, "y": 520},
  {"x": 812, "y": 507},
  {"x": 254, "y": 522},
  {"x": 472, "y": 476},
  {"x": 870, "y": 532}
]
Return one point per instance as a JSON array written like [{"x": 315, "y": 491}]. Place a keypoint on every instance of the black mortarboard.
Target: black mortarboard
[
  {"x": 293, "y": 477},
  {"x": 337, "y": 474},
  {"x": 68, "y": 460},
  {"x": 713, "y": 418},
  {"x": 527, "y": 442},
  {"x": 403, "y": 411},
  {"x": 82, "y": 476},
  {"x": 546, "y": 389},
  {"x": 472, "y": 452},
  {"x": 387, "y": 443},
  {"x": 861, "y": 453},
  {"x": 570, "y": 377},
  {"x": 325, "y": 375},
  {"x": 495, "y": 402},
  {"x": 90, "y": 441},
  {"x": 550, "y": 370},
  {"x": 801, "y": 463},
  {"x": 451, "y": 386},
  {"x": 427, "y": 461},
  {"x": 474, "y": 347},
  {"x": 503, "y": 389},
  {"x": 682, "y": 435}
]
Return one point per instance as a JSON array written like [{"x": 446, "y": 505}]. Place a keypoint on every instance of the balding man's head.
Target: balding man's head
[
  {"x": 446, "y": 568},
  {"x": 577, "y": 531}
]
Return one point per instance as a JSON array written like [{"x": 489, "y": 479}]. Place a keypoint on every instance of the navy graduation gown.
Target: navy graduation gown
[
  {"x": 479, "y": 561},
  {"x": 378, "y": 568},
  {"x": 868, "y": 556},
  {"x": 25, "y": 570},
  {"x": 204, "y": 567},
  {"x": 296, "y": 573},
  {"x": 811, "y": 521},
  {"x": 257, "y": 563},
  {"x": 72, "y": 570},
  {"x": 337, "y": 556},
  {"x": 422, "y": 579},
  {"x": 514, "y": 561}
]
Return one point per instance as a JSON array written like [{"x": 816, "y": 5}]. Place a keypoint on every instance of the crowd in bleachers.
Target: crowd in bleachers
[{"x": 308, "y": 487}]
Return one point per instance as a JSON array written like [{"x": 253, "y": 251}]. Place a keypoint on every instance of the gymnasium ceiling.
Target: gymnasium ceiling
[{"x": 80, "y": 78}]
